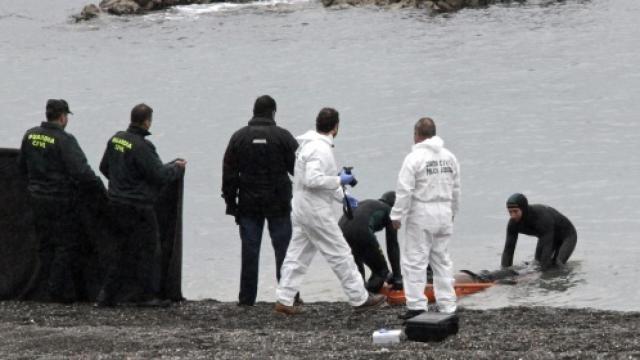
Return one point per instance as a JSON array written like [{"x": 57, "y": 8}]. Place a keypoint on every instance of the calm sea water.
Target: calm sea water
[{"x": 540, "y": 99}]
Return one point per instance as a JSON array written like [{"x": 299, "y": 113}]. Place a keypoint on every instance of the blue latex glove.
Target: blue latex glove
[
  {"x": 345, "y": 178},
  {"x": 353, "y": 202}
]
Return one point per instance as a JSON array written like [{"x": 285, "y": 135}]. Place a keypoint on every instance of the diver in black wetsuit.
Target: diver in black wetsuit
[
  {"x": 370, "y": 217},
  {"x": 557, "y": 236}
]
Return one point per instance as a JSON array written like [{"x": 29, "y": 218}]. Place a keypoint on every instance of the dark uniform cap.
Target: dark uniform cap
[{"x": 58, "y": 106}]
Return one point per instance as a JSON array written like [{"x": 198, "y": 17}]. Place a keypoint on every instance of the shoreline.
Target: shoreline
[{"x": 223, "y": 330}]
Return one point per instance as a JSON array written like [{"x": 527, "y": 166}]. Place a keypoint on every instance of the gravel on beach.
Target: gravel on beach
[{"x": 211, "y": 329}]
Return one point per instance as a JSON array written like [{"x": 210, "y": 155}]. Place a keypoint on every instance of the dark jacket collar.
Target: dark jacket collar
[
  {"x": 51, "y": 125},
  {"x": 260, "y": 120},
  {"x": 134, "y": 129}
]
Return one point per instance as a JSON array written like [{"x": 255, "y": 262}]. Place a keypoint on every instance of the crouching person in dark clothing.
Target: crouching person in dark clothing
[
  {"x": 136, "y": 177},
  {"x": 57, "y": 171},
  {"x": 256, "y": 186},
  {"x": 370, "y": 217},
  {"x": 556, "y": 235}
]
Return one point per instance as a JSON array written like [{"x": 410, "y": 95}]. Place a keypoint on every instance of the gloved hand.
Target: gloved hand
[
  {"x": 351, "y": 201},
  {"x": 345, "y": 179}
]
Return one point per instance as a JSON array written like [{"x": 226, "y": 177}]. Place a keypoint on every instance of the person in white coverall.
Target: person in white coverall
[
  {"x": 316, "y": 187},
  {"x": 427, "y": 198}
]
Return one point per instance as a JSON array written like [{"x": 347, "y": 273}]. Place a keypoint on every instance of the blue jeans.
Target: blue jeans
[{"x": 251, "y": 228}]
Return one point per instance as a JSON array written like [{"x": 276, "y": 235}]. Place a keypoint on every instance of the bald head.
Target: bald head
[{"x": 425, "y": 128}]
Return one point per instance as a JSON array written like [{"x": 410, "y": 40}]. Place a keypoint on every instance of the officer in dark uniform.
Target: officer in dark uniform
[
  {"x": 256, "y": 186},
  {"x": 136, "y": 177},
  {"x": 557, "y": 237},
  {"x": 370, "y": 217},
  {"x": 57, "y": 171}
]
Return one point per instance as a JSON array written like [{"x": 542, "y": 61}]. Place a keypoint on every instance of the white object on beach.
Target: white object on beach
[{"x": 384, "y": 336}]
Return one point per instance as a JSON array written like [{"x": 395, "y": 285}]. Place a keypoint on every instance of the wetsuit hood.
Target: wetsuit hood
[
  {"x": 389, "y": 198},
  {"x": 519, "y": 201}
]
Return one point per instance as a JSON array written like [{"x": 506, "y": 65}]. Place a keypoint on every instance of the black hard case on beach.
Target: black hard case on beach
[{"x": 430, "y": 326}]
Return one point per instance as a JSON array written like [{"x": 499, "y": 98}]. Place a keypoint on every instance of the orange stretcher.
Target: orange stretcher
[{"x": 396, "y": 297}]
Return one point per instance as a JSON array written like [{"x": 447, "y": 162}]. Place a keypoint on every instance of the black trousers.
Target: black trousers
[
  {"x": 251, "y": 228},
  {"x": 58, "y": 248},
  {"x": 135, "y": 256},
  {"x": 366, "y": 251}
]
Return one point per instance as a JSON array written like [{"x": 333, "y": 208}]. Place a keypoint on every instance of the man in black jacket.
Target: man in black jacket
[
  {"x": 557, "y": 236},
  {"x": 57, "y": 172},
  {"x": 136, "y": 176},
  {"x": 256, "y": 186},
  {"x": 370, "y": 217}
]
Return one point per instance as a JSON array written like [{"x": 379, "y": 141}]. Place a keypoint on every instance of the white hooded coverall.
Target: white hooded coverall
[
  {"x": 427, "y": 198},
  {"x": 316, "y": 188}
]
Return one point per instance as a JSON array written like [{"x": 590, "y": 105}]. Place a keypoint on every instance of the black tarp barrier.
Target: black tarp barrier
[{"x": 20, "y": 278}]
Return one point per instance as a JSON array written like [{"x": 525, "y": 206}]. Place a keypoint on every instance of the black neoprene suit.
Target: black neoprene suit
[
  {"x": 370, "y": 217},
  {"x": 557, "y": 236}
]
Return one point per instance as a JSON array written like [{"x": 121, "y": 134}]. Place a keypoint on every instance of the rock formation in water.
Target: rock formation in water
[
  {"x": 132, "y": 7},
  {"x": 435, "y": 6},
  {"x": 88, "y": 12},
  {"x": 128, "y": 7}
]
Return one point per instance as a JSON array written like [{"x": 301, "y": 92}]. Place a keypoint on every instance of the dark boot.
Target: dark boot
[{"x": 375, "y": 283}]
